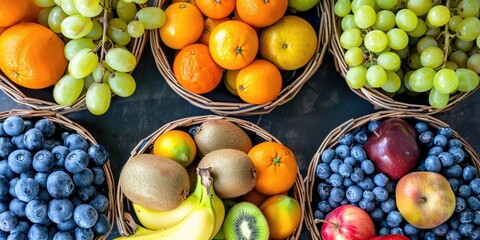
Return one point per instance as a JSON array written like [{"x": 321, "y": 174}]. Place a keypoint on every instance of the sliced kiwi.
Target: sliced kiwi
[{"x": 245, "y": 221}]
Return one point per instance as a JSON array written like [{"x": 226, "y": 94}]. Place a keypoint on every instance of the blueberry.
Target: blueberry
[
  {"x": 366, "y": 184},
  {"x": 328, "y": 155},
  {"x": 455, "y": 143},
  {"x": 62, "y": 235},
  {"x": 380, "y": 179},
  {"x": 85, "y": 178},
  {"x": 342, "y": 151},
  {"x": 2, "y": 131},
  {"x": 333, "y": 203},
  {"x": 335, "y": 164},
  {"x": 454, "y": 171},
  {"x": 390, "y": 186},
  {"x": 98, "y": 175},
  {"x": 381, "y": 194},
  {"x": 384, "y": 231},
  {"x": 445, "y": 131},
  {"x": 397, "y": 230},
  {"x": 454, "y": 184},
  {"x": 457, "y": 153},
  {"x": 38, "y": 231},
  {"x": 323, "y": 171},
  {"x": 350, "y": 160},
  {"x": 433, "y": 164},
  {"x": 446, "y": 159},
  {"x": 441, "y": 230},
  {"x": 360, "y": 137},
  {"x": 373, "y": 125},
  {"x": 454, "y": 222},
  {"x": 317, "y": 214},
  {"x": 410, "y": 229},
  {"x": 76, "y": 161},
  {"x": 367, "y": 166},
  {"x": 337, "y": 194},
  {"x": 476, "y": 217},
  {"x": 345, "y": 201},
  {"x": 368, "y": 195},
  {"x": 18, "y": 141},
  {"x": 20, "y": 161},
  {"x": 476, "y": 233},
  {"x": 36, "y": 211},
  {"x": 83, "y": 233},
  {"x": 4, "y": 185},
  {"x": 17, "y": 207},
  {"x": 461, "y": 204},
  {"x": 43, "y": 195},
  {"x": 434, "y": 151},
  {"x": 85, "y": 216},
  {"x": 98, "y": 154},
  {"x": 13, "y": 183},
  {"x": 26, "y": 189},
  {"x": 52, "y": 230},
  {"x": 440, "y": 140},
  {"x": 33, "y": 139},
  {"x": 357, "y": 175},
  {"x": 28, "y": 174},
  {"x": 5, "y": 170},
  {"x": 464, "y": 191},
  {"x": 6, "y": 147},
  {"x": 377, "y": 214},
  {"x": 46, "y": 126},
  {"x": 8, "y": 221},
  {"x": 86, "y": 193},
  {"x": 429, "y": 235},
  {"x": 421, "y": 127},
  {"x": 354, "y": 193},
  {"x": 388, "y": 205},
  {"x": 335, "y": 180},
  {"x": 475, "y": 185},
  {"x": 42, "y": 161},
  {"x": 323, "y": 189},
  {"x": 59, "y": 153},
  {"x": 74, "y": 141},
  {"x": 322, "y": 206},
  {"x": 41, "y": 179},
  {"x": 60, "y": 184},
  {"x": 453, "y": 234},
  {"x": 469, "y": 173},
  {"x": 366, "y": 205},
  {"x": 466, "y": 217},
  {"x": 473, "y": 203},
  {"x": 394, "y": 219},
  {"x": 60, "y": 210},
  {"x": 67, "y": 225},
  {"x": 346, "y": 139},
  {"x": 425, "y": 137},
  {"x": 22, "y": 226},
  {"x": 49, "y": 144},
  {"x": 466, "y": 229},
  {"x": 102, "y": 226},
  {"x": 3, "y": 207},
  {"x": 17, "y": 236},
  {"x": 13, "y": 125},
  {"x": 347, "y": 182},
  {"x": 345, "y": 169},
  {"x": 358, "y": 153}
]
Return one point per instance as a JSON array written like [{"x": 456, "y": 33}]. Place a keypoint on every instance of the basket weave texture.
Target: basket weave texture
[
  {"x": 125, "y": 220},
  {"x": 331, "y": 140},
  {"x": 162, "y": 55},
  {"x": 57, "y": 118}
]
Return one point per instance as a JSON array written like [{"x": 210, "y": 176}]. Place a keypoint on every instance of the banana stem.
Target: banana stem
[{"x": 205, "y": 178}]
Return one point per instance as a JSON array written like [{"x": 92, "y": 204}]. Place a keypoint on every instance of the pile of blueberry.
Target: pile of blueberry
[
  {"x": 51, "y": 182},
  {"x": 345, "y": 175}
]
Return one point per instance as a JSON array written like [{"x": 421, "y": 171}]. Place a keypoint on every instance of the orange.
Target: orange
[
  {"x": 31, "y": 55},
  {"x": 208, "y": 27},
  {"x": 233, "y": 44},
  {"x": 176, "y": 145},
  {"x": 258, "y": 83},
  {"x": 229, "y": 79},
  {"x": 32, "y": 12},
  {"x": 276, "y": 167},
  {"x": 184, "y": 25},
  {"x": 216, "y": 9},
  {"x": 188, "y": 1},
  {"x": 283, "y": 214},
  {"x": 195, "y": 69},
  {"x": 12, "y": 11},
  {"x": 261, "y": 13},
  {"x": 2, "y": 29}
]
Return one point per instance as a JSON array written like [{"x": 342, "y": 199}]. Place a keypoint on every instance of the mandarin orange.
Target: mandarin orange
[{"x": 258, "y": 83}]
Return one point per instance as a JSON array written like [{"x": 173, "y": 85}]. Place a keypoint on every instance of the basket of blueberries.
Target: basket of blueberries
[
  {"x": 55, "y": 179},
  {"x": 393, "y": 175}
]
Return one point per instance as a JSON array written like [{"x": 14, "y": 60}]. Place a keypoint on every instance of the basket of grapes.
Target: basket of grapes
[
  {"x": 393, "y": 174},
  {"x": 76, "y": 54},
  {"x": 240, "y": 57},
  {"x": 419, "y": 56},
  {"x": 210, "y": 177},
  {"x": 55, "y": 179}
]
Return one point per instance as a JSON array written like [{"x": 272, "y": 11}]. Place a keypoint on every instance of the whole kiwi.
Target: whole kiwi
[
  {"x": 232, "y": 171},
  {"x": 218, "y": 134},
  {"x": 154, "y": 182},
  {"x": 245, "y": 221}
]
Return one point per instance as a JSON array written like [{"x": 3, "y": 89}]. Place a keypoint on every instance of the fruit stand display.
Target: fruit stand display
[
  {"x": 232, "y": 174},
  {"x": 292, "y": 38},
  {"x": 395, "y": 173}
]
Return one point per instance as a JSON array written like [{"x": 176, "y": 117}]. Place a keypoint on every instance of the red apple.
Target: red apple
[
  {"x": 393, "y": 148},
  {"x": 391, "y": 237},
  {"x": 347, "y": 222},
  {"x": 425, "y": 199}
]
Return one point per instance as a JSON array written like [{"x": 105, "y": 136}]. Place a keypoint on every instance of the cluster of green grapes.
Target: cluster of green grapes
[
  {"x": 97, "y": 35},
  {"x": 411, "y": 46}
]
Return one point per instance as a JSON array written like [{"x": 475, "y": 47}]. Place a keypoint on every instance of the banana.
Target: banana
[{"x": 219, "y": 211}]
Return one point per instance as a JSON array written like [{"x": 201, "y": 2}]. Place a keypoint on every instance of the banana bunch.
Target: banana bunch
[{"x": 200, "y": 216}]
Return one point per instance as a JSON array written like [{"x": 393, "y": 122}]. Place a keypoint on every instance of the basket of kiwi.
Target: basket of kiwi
[
  {"x": 393, "y": 173},
  {"x": 414, "y": 56},
  {"x": 55, "y": 178},
  {"x": 210, "y": 177},
  {"x": 288, "y": 43},
  {"x": 67, "y": 59}
]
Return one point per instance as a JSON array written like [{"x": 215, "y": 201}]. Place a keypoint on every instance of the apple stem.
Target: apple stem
[{"x": 318, "y": 220}]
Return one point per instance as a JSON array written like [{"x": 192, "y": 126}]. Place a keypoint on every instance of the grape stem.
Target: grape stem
[
  {"x": 447, "y": 37},
  {"x": 104, "y": 33}
]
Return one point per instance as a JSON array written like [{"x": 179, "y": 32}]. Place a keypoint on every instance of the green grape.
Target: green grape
[
  {"x": 393, "y": 82},
  {"x": 426, "y": 42},
  {"x": 351, "y": 38},
  {"x": 478, "y": 41},
  {"x": 397, "y": 38},
  {"x": 402, "y": 53},
  {"x": 100, "y": 74},
  {"x": 406, "y": 20},
  {"x": 88, "y": 81},
  {"x": 451, "y": 65},
  {"x": 432, "y": 57},
  {"x": 468, "y": 29},
  {"x": 126, "y": 11},
  {"x": 467, "y": 80},
  {"x": 354, "y": 56},
  {"x": 151, "y": 17},
  {"x": 120, "y": 59},
  {"x": 402, "y": 88},
  {"x": 385, "y": 20},
  {"x": 445, "y": 81},
  {"x": 438, "y": 16},
  {"x": 75, "y": 45},
  {"x": 468, "y": 8},
  {"x": 419, "y": 7},
  {"x": 83, "y": 63},
  {"x": 42, "y": 18},
  {"x": 44, "y": 3},
  {"x": 76, "y": 26},
  {"x": 433, "y": 32},
  {"x": 357, "y": 3},
  {"x": 122, "y": 84},
  {"x": 117, "y": 31},
  {"x": 460, "y": 58},
  {"x": 356, "y": 77},
  {"x": 453, "y": 22},
  {"x": 406, "y": 80},
  {"x": 375, "y": 41},
  {"x": 58, "y": 2},
  {"x": 400, "y": 5},
  {"x": 438, "y": 100},
  {"x": 342, "y": 8},
  {"x": 67, "y": 90},
  {"x": 365, "y": 16},
  {"x": 473, "y": 63},
  {"x": 96, "y": 32},
  {"x": 90, "y": 8},
  {"x": 348, "y": 22},
  {"x": 386, "y": 4},
  {"x": 69, "y": 8},
  {"x": 135, "y": 29},
  {"x": 140, "y": 1},
  {"x": 463, "y": 45},
  {"x": 55, "y": 19},
  {"x": 419, "y": 30},
  {"x": 414, "y": 61},
  {"x": 389, "y": 61},
  {"x": 376, "y": 76},
  {"x": 454, "y": 3},
  {"x": 421, "y": 79},
  {"x": 474, "y": 50},
  {"x": 98, "y": 98}
]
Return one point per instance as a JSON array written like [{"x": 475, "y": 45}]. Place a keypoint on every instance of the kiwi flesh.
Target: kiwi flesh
[{"x": 245, "y": 221}]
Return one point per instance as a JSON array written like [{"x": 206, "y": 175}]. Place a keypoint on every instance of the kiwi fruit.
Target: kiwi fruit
[
  {"x": 154, "y": 182},
  {"x": 232, "y": 171},
  {"x": 218, "y": 134},
  {"x": 245, "y": 221}
]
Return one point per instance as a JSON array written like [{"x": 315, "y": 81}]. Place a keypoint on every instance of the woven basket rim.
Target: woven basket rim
[
  {"x": 71, "y": 125},
  {"x": 332, "y": 139},
  {"x": 242, "y": 108},
  {"x": 373, "y": 95},
  {"x": 125, "y": 222},
  {"x": 137, "y": 46}
]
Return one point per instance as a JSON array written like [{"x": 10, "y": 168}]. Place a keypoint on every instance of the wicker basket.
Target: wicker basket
[
  {"x": 42, "y": 99},
  {"x": 331, "y": 140},
  {"x": 220, "y": 101},
  {"x": 68, "y": 124},
  {"x": 375, "y": 96},
  {"x": 125, "y": 220}
]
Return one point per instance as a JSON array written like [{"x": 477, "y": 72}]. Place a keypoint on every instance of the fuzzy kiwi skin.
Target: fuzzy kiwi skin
[
  {"x": 245, "y": 212},
  {"x": 232, "y": 171},
  {"x": 218, "y": 134},
  {"x": 154, "y": 182}
]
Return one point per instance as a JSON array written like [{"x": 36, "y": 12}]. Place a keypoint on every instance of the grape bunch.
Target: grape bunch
[
  {"x": 412, "y": 47},
  {"x": 97, "y": 35}
]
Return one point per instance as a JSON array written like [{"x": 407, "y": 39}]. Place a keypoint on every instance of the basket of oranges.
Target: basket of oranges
[
  {"x": 240, "y": 57},
  {"x": 407, "y": 56},
  {"x": 65, "y": 58},
  {"x": 210, "y": 176},
  {"x": 393, "y": 173}
]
